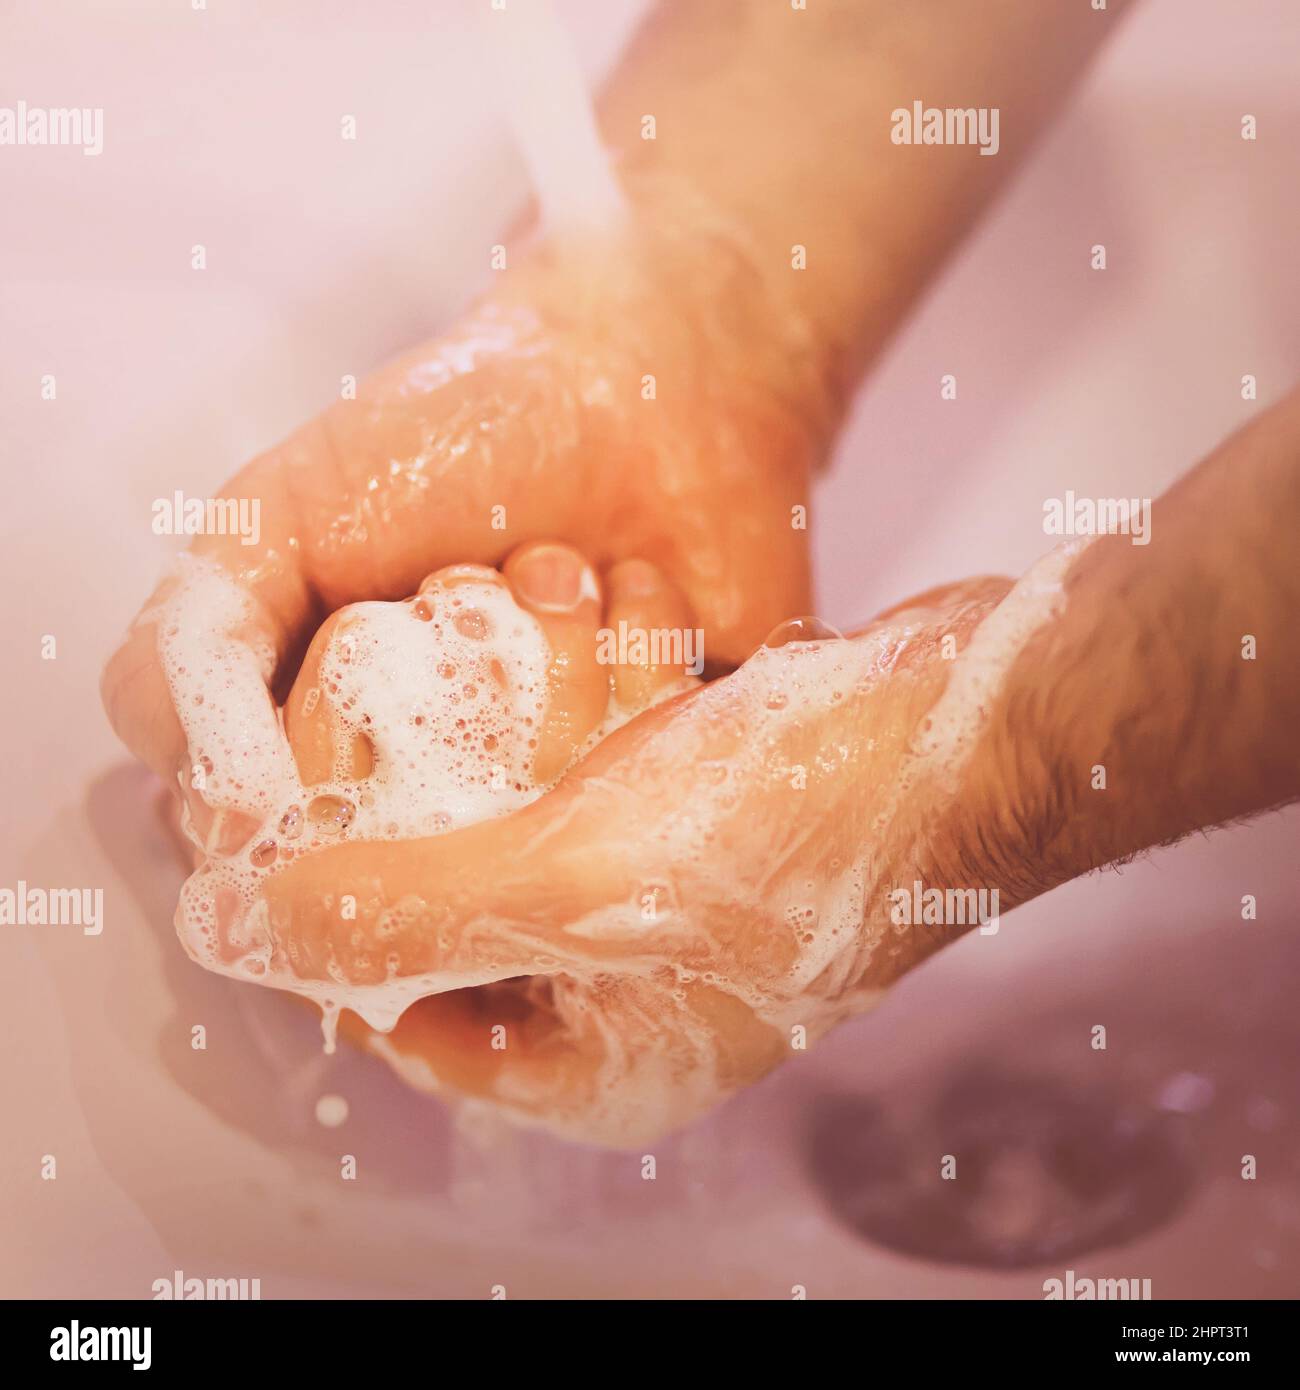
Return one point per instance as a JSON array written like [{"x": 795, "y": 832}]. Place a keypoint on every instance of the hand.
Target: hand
[
  {"x": 707, "y": 890},
  {"x": 530, "y": 420}
]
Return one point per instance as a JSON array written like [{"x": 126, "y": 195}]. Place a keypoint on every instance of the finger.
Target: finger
[
  {"x": 269, "y": 570},
  {"x": 138, "y": 702},
  {"x": 650, "y": 625},
  {"x": 609, "y": 1061},
  {"x": 323, "y": 746},
  {"x": 737, "y": 546},
  {"x": 518, "y": 1039},
  {"x": 485, "y": 903},
  {"x": 557, "y": 586}
]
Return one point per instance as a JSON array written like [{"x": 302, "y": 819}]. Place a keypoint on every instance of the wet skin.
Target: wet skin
[{"x": 533, "y": 419}]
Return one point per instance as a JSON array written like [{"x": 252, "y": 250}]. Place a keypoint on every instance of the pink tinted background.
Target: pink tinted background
[{"x": 324, "y": 257}]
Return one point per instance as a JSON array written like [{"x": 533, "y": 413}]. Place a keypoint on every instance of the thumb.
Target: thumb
[{"x": 490, "y": 902}]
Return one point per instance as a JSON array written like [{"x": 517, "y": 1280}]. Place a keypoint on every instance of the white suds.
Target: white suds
[{"x": 449, "y": 691}]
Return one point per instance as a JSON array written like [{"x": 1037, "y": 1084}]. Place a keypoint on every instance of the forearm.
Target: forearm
[
  {"x": 782, "y": 118},
  {"x": 1164, "y": 698}
]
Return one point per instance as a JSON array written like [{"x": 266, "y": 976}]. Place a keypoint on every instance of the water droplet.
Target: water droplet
[
  {"x": 331, "y": 815},
  {"x": 329, "y": 1025},
  {"x": 802, "y": 630},
  {"x": 777, "y": 699},
  {"x": 331, "y": 1111},
  {"x": 263, "y": 853},
  {"x": 291, "y": 823},
  {"x": 422, "y": 610}
]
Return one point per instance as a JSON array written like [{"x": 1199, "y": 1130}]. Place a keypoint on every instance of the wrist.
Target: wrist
[{"x": 675, "y": 300}]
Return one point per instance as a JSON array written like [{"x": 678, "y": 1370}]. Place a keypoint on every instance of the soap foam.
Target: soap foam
[{"x": 449, "y": 689}]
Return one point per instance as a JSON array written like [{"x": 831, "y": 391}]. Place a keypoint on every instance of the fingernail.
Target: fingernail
[
  {"x": 550, "y": 576},
  {"x": 460, "y": 574}
]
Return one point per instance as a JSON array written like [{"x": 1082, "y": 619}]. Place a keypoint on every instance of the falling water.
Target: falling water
[{"x": 551, "y": 115}]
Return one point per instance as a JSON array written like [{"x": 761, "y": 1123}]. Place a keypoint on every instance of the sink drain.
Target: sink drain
[{"x": 1037, "y": 1171}]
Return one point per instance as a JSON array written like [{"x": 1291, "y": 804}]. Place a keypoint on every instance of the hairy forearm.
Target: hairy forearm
[
  {"x": 781, "y": 119},
  {"x": 1164, "y": 698}
]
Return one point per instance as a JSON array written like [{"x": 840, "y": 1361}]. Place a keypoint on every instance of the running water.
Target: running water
[{"x": 551, "y": 116}]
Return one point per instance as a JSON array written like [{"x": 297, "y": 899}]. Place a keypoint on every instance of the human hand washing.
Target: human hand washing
[
  {"x": 601, "y": 897},
  {"x": 431, "y": 781}
]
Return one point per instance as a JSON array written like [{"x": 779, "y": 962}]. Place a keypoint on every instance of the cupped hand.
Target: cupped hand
[{"x": 708, "y": 890}]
